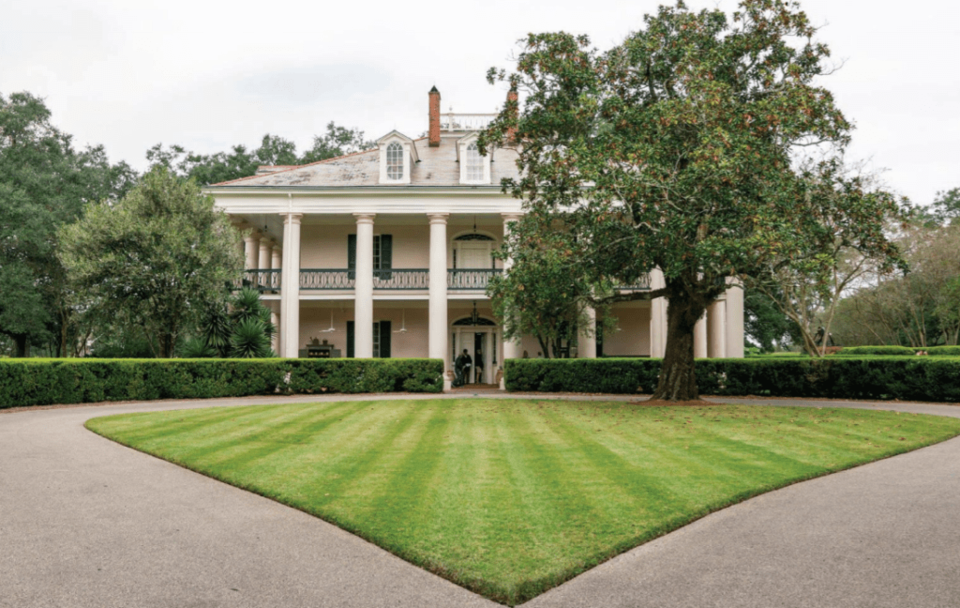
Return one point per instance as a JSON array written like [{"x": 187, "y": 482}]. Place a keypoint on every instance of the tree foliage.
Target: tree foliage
[
  {"x": 44, "y": 184},
  {"x": 240, "y": 162},
  {"x": 159, "y": 257},
  {"x": 677, "y": 149}
]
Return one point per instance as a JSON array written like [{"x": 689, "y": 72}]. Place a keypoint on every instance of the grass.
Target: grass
[{"x": 509, "y": 498}]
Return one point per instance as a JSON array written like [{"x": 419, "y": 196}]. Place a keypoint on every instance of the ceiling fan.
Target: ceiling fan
[
  {"x": 326, "y": 331},
  {"x": 403, "y": 323}
]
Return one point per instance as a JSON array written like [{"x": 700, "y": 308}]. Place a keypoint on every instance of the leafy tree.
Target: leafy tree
[
  {"x": 44, "y": 184},
  {"x": 539, "y": 296},
  {"x": 764, "y": 324},
  {"x": 160, "y": 256},
  {"x": 676, "y": 150},
  {"x": 337, "y": 141},
  {"x": 240, "y": 162},
  {"x": 946, "y": 206}
]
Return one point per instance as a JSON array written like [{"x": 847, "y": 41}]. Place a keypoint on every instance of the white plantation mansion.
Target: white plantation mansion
[{"x": 387, "y": 253}]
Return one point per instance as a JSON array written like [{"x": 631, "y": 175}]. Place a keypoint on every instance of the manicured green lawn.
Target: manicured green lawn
[{"x": 510, "y": 498}]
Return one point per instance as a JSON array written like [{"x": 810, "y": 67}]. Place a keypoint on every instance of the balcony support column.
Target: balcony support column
[
  {"x": 290, "y": 286},
  {"x": 700, "y": 338},
  {"x": 587, "y": 337},
  {"x": 734, "y": 324},
  {"x": 438, "y": 335},
  {"x": 716, "y": 323},
  {"x": 363, "y": 291},
  {"x": 263, "y": 262},
  {"x": 511, "y": 348},
  {"x": 275, "y": 264},
  {"x": 658, "y": 316},
  {"x": 251, "y": 244}
]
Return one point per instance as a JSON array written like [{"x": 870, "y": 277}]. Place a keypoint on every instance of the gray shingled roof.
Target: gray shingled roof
[{"x": 437, "y": 167}]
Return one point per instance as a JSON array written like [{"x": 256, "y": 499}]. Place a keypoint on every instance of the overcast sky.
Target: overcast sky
[{"x": 208, "y": 75}]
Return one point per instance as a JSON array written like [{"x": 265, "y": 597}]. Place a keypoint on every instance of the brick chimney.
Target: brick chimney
[
  {"x": 512, "y": 99},
  {"x": 434, "y": 133}
]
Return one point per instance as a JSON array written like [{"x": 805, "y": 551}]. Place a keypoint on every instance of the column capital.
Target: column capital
[
  {"x": 275, "y": 247},
  {"x": 511, "y": 216},
  {"x": 292, "y": 218},
  {"x": 438, "y": 218},
  {"x": 364, "y": 218},
  {"x": 251, "y": 237}
]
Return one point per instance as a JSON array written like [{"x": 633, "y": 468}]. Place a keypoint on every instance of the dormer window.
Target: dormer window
[
  {"x": 398, "y": 154},
  {"x": 474, "y": 164},
  {"x": 474, "y": 167},
  {"x": 395, "y": 161}
]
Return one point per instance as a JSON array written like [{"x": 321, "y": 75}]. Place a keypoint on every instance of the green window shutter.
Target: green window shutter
[
  {"x": 385, "y": 339},
  {"x": 386, "y": 251},
  {"x": 350, "y": 335},
  {"x": 598, "y": 328},
  {"x": 352, "y": 257}
]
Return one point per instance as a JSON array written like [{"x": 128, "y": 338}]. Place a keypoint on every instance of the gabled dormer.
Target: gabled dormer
[
  {"x": 474, "y": 167},
  {"x": 397, "y": 155}
]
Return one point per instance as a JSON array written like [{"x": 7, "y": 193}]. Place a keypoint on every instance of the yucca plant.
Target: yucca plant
[
  {"x": 197, "y": 348},
  {"x": 250, "y": 340}
]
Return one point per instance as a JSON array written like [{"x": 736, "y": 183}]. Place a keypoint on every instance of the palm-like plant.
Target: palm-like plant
[{"x": 250, "y": 340}]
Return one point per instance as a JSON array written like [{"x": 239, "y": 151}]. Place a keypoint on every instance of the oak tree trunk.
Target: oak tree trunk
[{"x": 678, "y": 380}]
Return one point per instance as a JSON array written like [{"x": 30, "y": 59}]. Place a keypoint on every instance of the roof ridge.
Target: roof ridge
[{"x": 292, "y": 167}]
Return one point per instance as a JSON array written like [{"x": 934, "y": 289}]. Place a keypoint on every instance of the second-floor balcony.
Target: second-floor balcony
[{"x": 411, "y": 279}]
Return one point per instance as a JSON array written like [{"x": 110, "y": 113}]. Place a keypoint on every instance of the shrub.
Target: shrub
[
  {"x": 943, "y": 351},
  {"x": 45, "y": 381},
  {"x": 908, "y": 378},
  {"x": 887, "y": 351}
]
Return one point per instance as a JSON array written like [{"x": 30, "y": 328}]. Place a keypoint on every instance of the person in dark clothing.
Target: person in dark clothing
[{"x": 462, "y": 368}]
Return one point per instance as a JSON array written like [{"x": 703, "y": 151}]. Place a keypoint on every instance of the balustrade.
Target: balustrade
[
  {"x": 470, "y": 278},
  {"x": 401, "y": 278}
]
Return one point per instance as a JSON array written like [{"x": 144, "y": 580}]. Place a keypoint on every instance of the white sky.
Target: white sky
[{"x": 208, "y": 75}]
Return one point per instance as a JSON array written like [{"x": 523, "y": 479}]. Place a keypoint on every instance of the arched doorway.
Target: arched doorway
[
  {"x": 478, "y": 336},
  {"x": 473, "y": 251}
]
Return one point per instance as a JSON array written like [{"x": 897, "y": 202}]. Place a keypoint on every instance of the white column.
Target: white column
[
  {"x": 363, "y": 292},
  {"x": 700, "y": 337},
  {"x": 275, "y": 320},
  {"x": 717, "y": 325},
  {"x": 658, "y": 316},
  {"x": 734, "y": 338},
  {"x": 290, "y": 286},
  {"x": 587, "y": 337},
  {"x": 275, "y": 264},
  {"x": 263, "y": 261},
  {"x": 511, "y": 348},
  {"x": 438, "y": 346},
  {"x": 251, "y": 250}
]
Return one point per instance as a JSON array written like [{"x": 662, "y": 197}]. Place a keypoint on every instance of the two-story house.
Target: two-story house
[{"x": 387, "y": 253}]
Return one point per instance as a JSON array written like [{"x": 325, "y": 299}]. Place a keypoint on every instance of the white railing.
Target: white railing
[{"x": 465, "y": 122}]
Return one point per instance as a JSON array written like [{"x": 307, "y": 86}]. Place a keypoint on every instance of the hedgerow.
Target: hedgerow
[
  {"x": 26, "y": 382},
  {"x": 882, "y": 377}
]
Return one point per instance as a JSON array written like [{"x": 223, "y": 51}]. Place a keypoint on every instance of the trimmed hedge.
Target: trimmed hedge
[
  {"x": 887, "y": 351},
  {"x": 942, "y": 351},
  {"x": 907, "y": 378},
  {"x": 46, "y": 381}
]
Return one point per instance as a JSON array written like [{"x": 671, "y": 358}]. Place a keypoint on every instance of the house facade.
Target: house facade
[{"x": 388, "y": 253}]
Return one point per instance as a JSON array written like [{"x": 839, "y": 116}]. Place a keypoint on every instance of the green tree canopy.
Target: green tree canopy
[
  {"x": 44, "y": 184},
  {"x": 160, "y": 257},
  {"x": 241, "y": 162},
  {"x": 676, "y": 149}
]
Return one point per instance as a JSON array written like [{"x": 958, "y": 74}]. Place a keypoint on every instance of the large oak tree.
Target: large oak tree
[{"x": 678, "y": 149}]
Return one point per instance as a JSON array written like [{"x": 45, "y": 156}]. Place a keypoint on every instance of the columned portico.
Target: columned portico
[
  {"x": 290, "y": 286},
  {"x": 438, "y": 291},
  {"x": 363, "y": 311}
]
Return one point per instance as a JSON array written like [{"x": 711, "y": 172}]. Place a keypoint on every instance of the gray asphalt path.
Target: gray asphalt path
[{"x": 86, "y": 522}]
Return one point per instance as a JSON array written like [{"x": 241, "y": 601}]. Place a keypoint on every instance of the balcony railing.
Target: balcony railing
[
  {"x": 465, "y": 122},
  {"x": 470, "y": 278},
  {"x": 401, "y": 278},
  {"x": 327, "y": 278},
  {"x": 395, "y": 278},
  {"x": 262, "y": 280}
]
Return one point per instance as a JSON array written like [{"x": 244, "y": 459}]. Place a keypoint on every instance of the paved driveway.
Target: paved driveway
[{"x": 86, "y": 522}]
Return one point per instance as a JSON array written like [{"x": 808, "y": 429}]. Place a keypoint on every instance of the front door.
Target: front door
[{"x": 480, "y": 344}]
